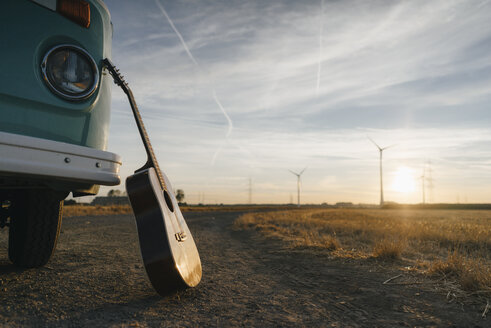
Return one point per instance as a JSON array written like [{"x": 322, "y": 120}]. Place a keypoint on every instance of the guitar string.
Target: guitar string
[
  {"x": 144, "y": 135},
  {"x": 151, "y": 154}
]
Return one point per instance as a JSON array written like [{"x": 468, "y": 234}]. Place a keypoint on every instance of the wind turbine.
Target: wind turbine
[
  {"x": 381, "y": 183},
  {"x": 429, "y": 180},
  {"x": 298, "y": 183}
]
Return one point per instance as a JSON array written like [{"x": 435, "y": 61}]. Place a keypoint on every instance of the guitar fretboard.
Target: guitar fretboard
[{"x": 151, "y": 159}]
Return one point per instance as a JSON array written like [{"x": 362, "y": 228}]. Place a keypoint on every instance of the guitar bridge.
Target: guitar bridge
[{"x": 181, "y": 236}]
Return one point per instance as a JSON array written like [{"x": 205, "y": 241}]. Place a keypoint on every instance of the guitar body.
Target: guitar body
[{"x": 167, "y": 247}]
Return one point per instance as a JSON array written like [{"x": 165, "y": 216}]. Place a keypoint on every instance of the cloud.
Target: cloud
[{"x": 303, "y": 92}]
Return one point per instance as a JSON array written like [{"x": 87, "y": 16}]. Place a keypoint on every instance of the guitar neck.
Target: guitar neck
[{"x": 151, "y": 159}]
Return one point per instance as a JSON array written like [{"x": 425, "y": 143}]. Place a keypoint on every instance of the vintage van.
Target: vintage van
[{"x": 54, "y": 117}]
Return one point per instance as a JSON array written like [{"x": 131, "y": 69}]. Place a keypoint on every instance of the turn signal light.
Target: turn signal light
[{"x": 75, "y": 10}]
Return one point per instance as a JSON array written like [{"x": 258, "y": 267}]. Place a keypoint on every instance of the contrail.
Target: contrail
[
  {"x": 162, "y": 9},
  {"x": 242, "y": 149},
  {"x": 215, "y": 155},
  {"x": 190, "y": 55},
  {"x": 230, "y": 124},
  {"x": 320, "y": 49}
]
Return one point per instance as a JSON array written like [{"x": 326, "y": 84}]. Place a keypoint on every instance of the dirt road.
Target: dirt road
[{"x": 96, "y": 278}]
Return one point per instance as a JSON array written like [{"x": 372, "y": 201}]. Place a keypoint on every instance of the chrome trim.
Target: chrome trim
[
  {"x": 81, "y": 96},
  {"x": 103, "y": 5},
  {"x": 51, "y": 160}
]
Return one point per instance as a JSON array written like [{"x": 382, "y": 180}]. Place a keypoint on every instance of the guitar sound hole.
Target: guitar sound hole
[{"x": 168, "y": 201}]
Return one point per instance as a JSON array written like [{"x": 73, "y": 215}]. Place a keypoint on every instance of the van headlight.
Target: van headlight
[{"x": 70, "y": 72}]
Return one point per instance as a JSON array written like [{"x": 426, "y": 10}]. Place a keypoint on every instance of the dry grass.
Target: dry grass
[
  {"x": 388, "y": 250},
  {"x": 454, "y": 244},
  {"x": 471, "y": 274},
  {"x": 230, "y": 208},
  {"x": 83, "y": 210}
]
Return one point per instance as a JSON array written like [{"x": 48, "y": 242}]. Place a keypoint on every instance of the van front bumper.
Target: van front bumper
[{"x": 23, "y": 157}]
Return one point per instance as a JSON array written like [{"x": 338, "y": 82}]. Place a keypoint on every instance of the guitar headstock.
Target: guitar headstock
[{"x": 118, "y": 78}]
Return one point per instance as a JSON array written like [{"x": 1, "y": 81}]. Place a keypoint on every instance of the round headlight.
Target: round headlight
[{"x": 70, "y": 72}]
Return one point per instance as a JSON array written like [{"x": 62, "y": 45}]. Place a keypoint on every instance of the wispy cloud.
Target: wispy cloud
[
  {"x": 185, "y": 46},
  {"x": 416, "y": 73},
  {"x": 190, "y": 55},
  {"x": 319, "y": 64}
]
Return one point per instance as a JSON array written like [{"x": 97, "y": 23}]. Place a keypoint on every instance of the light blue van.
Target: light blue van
[{"x": 54, "y": 117}]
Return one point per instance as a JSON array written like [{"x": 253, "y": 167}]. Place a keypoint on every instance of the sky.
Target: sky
[{"x": 234, "y": 94}]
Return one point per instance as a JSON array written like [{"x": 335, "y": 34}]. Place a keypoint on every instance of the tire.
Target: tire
[{"x": 35, "y": 222}]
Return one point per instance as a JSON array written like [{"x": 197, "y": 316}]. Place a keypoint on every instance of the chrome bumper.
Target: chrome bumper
[{"x": 41, "y": 158}]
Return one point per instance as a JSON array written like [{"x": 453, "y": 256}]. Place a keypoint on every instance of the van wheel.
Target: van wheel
[{"x": 35, "y": 222}]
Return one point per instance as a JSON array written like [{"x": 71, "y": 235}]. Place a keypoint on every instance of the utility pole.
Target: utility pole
[{"x": 250, "y": 191}]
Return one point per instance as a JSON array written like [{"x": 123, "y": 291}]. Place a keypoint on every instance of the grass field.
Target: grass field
[
  {"x": 452, "y": 244},
  {"x": 95, "y": 210}
]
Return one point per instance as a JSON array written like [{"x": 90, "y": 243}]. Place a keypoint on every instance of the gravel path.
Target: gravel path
[{"x": 96, "y": 278}]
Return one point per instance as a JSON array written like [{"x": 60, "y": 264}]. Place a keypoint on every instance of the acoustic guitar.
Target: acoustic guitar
[{"x": 167, "y": 247}]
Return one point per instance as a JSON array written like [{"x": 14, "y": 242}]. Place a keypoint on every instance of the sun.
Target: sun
[{"x": 404, "y": 180}]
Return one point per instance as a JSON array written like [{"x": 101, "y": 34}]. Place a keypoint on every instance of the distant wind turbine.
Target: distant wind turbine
[
  {"x": 429, "y": 180},
  {"x": 298, "y": 184},
  {"x": 381, "y": 183}
]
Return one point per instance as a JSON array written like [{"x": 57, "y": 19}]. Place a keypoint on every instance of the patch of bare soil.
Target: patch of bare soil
[{"x": 96, "y": 278}]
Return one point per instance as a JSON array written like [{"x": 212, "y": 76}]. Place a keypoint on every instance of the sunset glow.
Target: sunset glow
[
  {"x": 233, "y": 92},
  {"x": 404, "y": 180}
]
